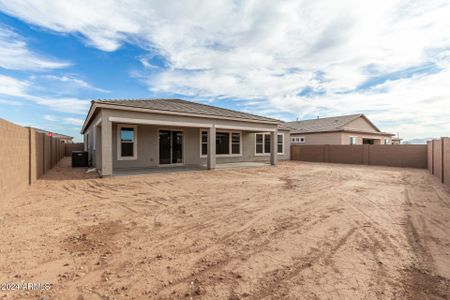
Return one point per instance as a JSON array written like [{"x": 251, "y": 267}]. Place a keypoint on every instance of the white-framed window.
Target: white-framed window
[
  {"x": 386, "y": 141},
  {"x": 352, "y": 140},
  {"x": 228, "y": 143},
  {"x": 126, "y": 142},
  {"x": 94, "y": 141},
  {"x": 86, "y": 142},
  {"x": 262, "y": 143},
  {"x": 298, "y": 139}
]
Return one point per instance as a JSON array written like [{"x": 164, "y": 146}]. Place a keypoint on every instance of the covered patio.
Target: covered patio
[
  {"x": 156, "y": 170},
  {"x": 132, "y": 140}
]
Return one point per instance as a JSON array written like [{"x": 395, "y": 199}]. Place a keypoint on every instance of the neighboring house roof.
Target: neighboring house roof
[
  {"x": 177, "y": 106},
  {"x": 53, "y": 134},
  {"x": 284, "y": 126},
  {"x": 330, "y": 124},
  {"x": 396, "y": 139}
]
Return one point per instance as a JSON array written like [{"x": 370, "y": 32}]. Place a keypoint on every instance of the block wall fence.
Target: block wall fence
[
  {"x": 407, "y": 156},
  {"x": 25, "y": 156},
  {"x": 439, "y": 159}
]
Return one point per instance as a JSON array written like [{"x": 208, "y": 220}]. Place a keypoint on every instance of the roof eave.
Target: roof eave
[
  {"x": 88, "y": 117},
  {"x": 131, "y": 108},
  {"x": 344, "y": 130}
]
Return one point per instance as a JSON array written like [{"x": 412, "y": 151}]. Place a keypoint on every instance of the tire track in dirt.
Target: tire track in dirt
[
  {"x": 274, "y": 285},
  {"x": 420, "y": 279}
]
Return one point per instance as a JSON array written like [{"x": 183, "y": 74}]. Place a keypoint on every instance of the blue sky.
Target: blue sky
[{"x": 287, "y": 60}]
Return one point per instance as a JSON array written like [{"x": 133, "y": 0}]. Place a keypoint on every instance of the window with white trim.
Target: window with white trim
[
  {"x": 297, "y": 139},
  {"x": 235, "y": 143},
  {"x": 86, "y": 144},
  {"x": 262, "y": 143},
  {"x": 227, "y": 143},
  {"x": 127, "y": 142},
  {"x": 204, "y": 142},
  {"x": 352, "y": 140},
  {"x": 280, "y": 143},
  {"x": 386, "y": 141}
]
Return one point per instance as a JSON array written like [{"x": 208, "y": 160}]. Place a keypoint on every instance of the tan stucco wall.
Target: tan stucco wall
[
  {"x": 345, "y": 138},
  {"x": 148, "y": 147},
  {"x": 148, "y": 140},
  {"x": 360, "y": 124},
  {"x": 338, "y": 138},
  {"x": 332, "y": 138}
]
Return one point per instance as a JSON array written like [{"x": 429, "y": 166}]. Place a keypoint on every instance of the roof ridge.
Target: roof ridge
[
  {"x": 331, "y": 117},
  {"x": 189, "y": 102}
]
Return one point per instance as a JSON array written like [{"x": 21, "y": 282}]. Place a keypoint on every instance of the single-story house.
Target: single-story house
[
  {"x": 62, "y": 137},
  {"x": 126, "y": 134},
  {"x": 396, "y": 141},
  {"x": 339, "y": 130}
]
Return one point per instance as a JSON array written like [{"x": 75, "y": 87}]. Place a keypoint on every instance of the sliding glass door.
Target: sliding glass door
[{"x": 170, "y": 147}]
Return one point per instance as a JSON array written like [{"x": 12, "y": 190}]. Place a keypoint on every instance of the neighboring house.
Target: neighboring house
[
  {"x": 63, "y": 138},
  {"x": 396, "y": 141},
  {"x": 339, "y": 130},
  {"x": 121, "y": 134}
]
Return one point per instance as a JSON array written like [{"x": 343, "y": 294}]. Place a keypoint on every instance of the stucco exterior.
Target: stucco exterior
[
  {"x": 359, "y": 128},
  {"x": 102, "y": 139},
  {"x": 340, "y": 138}
]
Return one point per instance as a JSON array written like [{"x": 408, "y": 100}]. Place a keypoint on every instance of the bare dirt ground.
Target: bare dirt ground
[{"x": 296, "y": 231}]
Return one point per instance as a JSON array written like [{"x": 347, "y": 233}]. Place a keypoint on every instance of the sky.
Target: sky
[{"x": 284, "y": 59}]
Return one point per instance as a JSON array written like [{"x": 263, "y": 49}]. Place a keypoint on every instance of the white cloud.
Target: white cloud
[
  {"x": 15, "y": 55},
  {"x": 51, "y": 118},
  {"x": 10, "y": 102},
  {"x": 12, "y": 87},
  {"x": 266, "y": 52},
  {"x": 17, "y": 89},
  {"x": 69, "y": 84},
  {"x": 74, "y": 121}
]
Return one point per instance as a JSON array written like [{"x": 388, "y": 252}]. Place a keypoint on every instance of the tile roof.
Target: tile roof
[
  {"x": 183, "y": 106},
  {"x": 323, "y": 124},
  {"x": 54, "y": 134}
]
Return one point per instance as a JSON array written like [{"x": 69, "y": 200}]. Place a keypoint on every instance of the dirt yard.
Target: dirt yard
[{"x": 296, "y": 231}]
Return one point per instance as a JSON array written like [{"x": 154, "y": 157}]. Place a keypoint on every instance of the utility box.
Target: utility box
[{"x": 79, "y": 159}]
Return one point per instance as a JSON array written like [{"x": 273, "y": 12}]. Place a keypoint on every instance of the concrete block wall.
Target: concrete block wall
[
  {"x": 25, "y": 155},
  {"x": 14, "y": 158},
  {"x": 73, "y": 147},
  {"x": 439, "y": 159},
  {"x": 446, "y": 161},
  {"x": 410, "y": 156}
]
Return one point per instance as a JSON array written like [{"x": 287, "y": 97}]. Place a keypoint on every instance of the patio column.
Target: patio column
[
  {"x": 106, "y": 145},
  {"x": 274, "y": 147},
  {"x": 211, "y": 158}
]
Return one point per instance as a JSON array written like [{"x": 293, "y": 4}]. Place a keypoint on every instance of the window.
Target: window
[
  {"x": 126, "y": 142},
  {"x": 386, "y": 141},
  {"x": 280, "y": 143},
  {"x": 352, "y": 140},
  {"x": 204, "y": 143},
  {"x": 86, "y": 144},
  {"x": 259, "y": 143},
  {"x": 227, "y": 143},
  {"x": 267, "y": 143},
  {"x": 222, "y": 143},
  {"x": 297, "y": 139},
  {"x": 262, "y": 142},
  {"x": 235, "y": 143}
]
